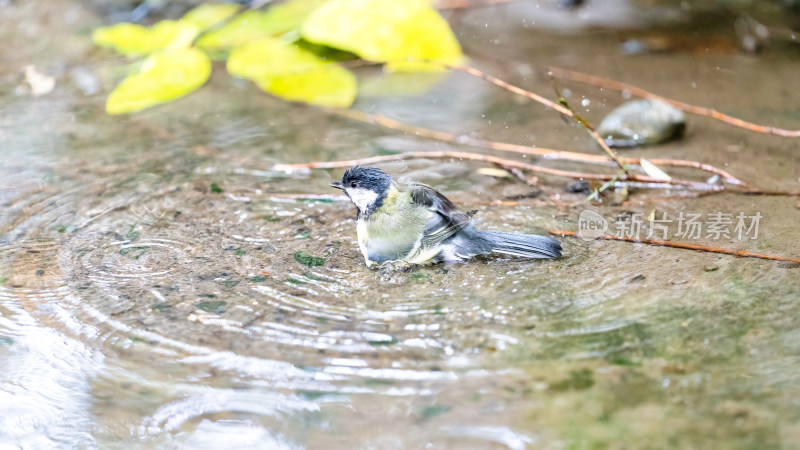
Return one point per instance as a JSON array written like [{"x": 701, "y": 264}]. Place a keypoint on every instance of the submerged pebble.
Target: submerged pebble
[
  {"x": 642, "y": 122},
  {"x": 579, "y": 187}
]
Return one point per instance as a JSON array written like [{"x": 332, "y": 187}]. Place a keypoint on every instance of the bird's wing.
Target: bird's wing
[{"x": 446, "y": 221}]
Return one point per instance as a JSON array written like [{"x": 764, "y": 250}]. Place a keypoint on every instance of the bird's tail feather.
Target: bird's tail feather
[{"x": 523, "y": 245}]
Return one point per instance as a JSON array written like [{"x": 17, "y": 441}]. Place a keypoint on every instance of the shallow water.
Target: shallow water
[{"x": 151, "y": 293}]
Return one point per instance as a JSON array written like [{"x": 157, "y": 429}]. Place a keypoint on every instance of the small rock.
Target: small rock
[
  {"x": 642, "y": 122},
  {"x": 147, "y": 320},
  {"x": 85, "y": 80},
  {"x": 519, "y": 191},
  {"x": 710, "y": 268},
  {"x": 579, "y": 187},
  {"x": 332, "y": 248}
]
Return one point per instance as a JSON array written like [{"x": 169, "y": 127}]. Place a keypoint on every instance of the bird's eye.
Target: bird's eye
[{"x": 352, "y": 184}]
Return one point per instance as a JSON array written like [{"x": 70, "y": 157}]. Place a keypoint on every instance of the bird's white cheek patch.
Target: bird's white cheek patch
[{"x": 362, "y": 198}]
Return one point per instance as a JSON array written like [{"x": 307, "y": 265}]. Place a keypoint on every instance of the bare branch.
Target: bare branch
[{"x": 702, "y": 248}]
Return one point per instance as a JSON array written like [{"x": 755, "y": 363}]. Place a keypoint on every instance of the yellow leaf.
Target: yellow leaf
[
  {"x": 207, "y": 15},
  {"x": 163, "y": 77},
  {"x": 244, "y": 28},
  {"x": 133, "y": 40},
  {"x": 252, "y": 25},
  {"x": 325, "y": 87},
  {"x": 398, "y": 32},
  {"x": 290, "y": 15},
  {"x": 294, "y": 74},
  {"x": 399, "y": 84}
]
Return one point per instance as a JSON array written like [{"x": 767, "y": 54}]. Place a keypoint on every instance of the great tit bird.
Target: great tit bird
[{"x": 419, "y": 226}]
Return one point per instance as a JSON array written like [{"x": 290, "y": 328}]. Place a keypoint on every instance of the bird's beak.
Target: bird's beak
[{"x": 337, "y": 185}]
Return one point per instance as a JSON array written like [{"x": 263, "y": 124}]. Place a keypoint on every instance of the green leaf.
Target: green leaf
[
  {"x": 578, "y": 380},
  {"x": 207, "y": 15},
  {"x": 625, "y": 362},
  {"x": 311, "y": 395},
  {"x": 390, "y": 32},
  {"x": 252, "y": 25},
  {"x": 293, "y": 74},
  {"x": 230, "y": 283},
  {"x": 164, "y": 77},
  {"x": 378, "y": 382},
  {"x": 313, "y": 200},
  {"x": 308, "y": 260},
  {"x": 311, "y": 276},
  {"x": 67, "y": 229},
  {"x": 434, "y": 410},
  {"x": 653, "y": 171},
  {"x": 214, "y": 306},
  {"x": 134, "y": 252},
  {"x": 134, "y": 40},
  {"x": 419, "y": 277},
  {"x": 393, "y": 340}
]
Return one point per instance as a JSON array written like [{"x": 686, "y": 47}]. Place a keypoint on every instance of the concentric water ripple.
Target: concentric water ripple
[
  {"x": 251, "y": 337},
  {"x": 162, "y": 281}
]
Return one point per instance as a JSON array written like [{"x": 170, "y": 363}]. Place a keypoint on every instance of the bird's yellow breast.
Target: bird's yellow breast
[{"x": 394, "y": 232}]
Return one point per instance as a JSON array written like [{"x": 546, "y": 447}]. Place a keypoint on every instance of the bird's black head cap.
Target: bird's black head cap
[
  {"x": 367, "y": 178},
  {"x": 370, "y": 178}
]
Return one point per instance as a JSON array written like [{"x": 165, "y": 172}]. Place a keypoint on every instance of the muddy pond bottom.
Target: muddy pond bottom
[{"x": 192, "y": 316}]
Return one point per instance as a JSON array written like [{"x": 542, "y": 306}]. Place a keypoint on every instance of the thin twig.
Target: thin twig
[
  {"x": 506, "y": 163},
  {"x": 606, "y": 185},
  {"x": 702, "y": 248},
  {"x": 771, "y": 193},
  {"x": 501, "y": 146},
  {"x": 546, "y": 153},
  {"x": 509, "y": 87},
  {"x": 517, "y": 173},
  {"x": 567, "y": 111},
  {"x": 686, "y": 107},
  {"x": 596, "y": 136},
  {"x": 563, "y": 109}
]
